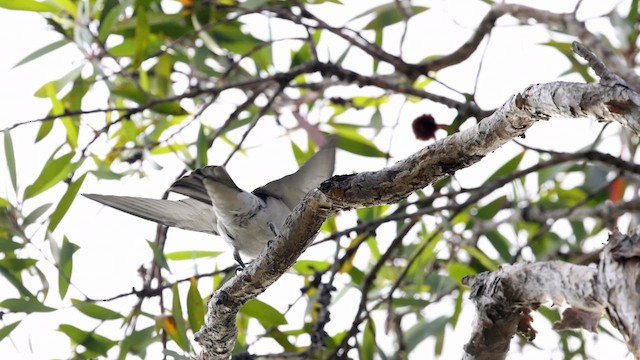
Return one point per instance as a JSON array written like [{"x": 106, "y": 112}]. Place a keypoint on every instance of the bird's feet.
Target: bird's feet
[
  {"x": 241, "y": 264},
  {"x": 273, "y": 229}
]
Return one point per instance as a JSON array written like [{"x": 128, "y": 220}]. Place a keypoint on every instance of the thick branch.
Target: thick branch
[
  {"x": 505, "y": 297},
  {"x": 455, "y": 152}
]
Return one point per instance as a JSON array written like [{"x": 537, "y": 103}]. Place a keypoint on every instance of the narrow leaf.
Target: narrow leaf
[
  {"x": 97, "y": 344},
  {"x": 352, "y": 141},
  {"x": 16, "y": 265},
  {"x": 54, "y": 171},
  {"x": 25, "y": 305},
  {"x": 35, "y": 215},
  {"x": 42, "y": 51},
  {"x": 368, "y": 346},
  {"x": 481, "y": 257},
  {"x": 7, "y": 245},
  {"x": 45, "y": 129},
  {"x": 112, "y": 13},
  {"x": 508, "y": 168},
  {"x": 179, "y": 331},
  {"x": 191, "y": 254},
  {"x": 202, "y": 145},
  {"x": 60, "y": 83},
  {"x": 195, "y": 306},
  {"x": 65, "y": 267},
  {"x": 266, "y": 314},
  {"x": 67, "y": 5},
  {"x": 5, "y": 331},
  {"x": 424, "y": 329},
  {"x": 95, "y": 311},
  {"x": 16, "y": 281},
  {"x": 28, "y": 5},
  {"x": 11, "y": 161},
  {"x": 58, "y": 108},
  {"x": 137, "y": 343},
  {"x": 65, "y": 202},
  {"x": 158, "y": 256}
]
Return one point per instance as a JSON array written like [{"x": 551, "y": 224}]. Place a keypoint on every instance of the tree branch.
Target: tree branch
[{"x": 505, "y": 297}]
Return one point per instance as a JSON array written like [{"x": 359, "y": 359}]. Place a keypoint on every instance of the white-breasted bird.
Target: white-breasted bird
[{"x": 216, "y": 205}]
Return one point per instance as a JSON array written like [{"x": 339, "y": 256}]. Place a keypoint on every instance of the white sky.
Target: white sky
[{"x": 112, "y": 243}]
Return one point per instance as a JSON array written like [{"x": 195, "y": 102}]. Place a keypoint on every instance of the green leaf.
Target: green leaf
[
  {"x": 35, "y": 214},
  {"x": 424, "y": 329},
  {"x": 54, "y": 171},
  {"x": 65, "y": 202},
  {"x": 16, "y": 265},
  {"x": 457, "y": 310},
  {"x": 195, "y": 306},
  {"x": 508, "y": 168},
  {"x": 42, "y": 51},
  {"x": 137, "y": 343},
  {"x": 4, "y": 202},
  {"x": 110, "y": 14},
  {"x": 95, "y": 311},
  {"x": 131, "y": 92},
  {"x": 376, "y": 121},
  {"x": 142, "y": 34},
  {"x": 352, "y": 141},
  {"x": 387, "y": 14},
  {"x": 65, "y": 266},
  {"x": 579, "y": 230},
  {"x": 16, "y": 281},
  {"x": 500, "y": 243},
  {"x": 66, "y": 5},
  {"x": 266, "y": 314},
  {"x": 565, "y": 48},
  {"x": 94, "y": 343},
  {"x": 178, "y": 332},
  {"x": 310, "y": 267},
  {"x": 45, "y": 129},
  {"x": 191, "y": 254},
  {"x": 25, "y": 305},
  {"x": 158, "y": 256},
  {"x": 410, "y": 302},
  {"x": 58, "y": 108},
  {"x": 488, "y": 211},
  {"x": 28, "y": 5},
  {"x": 458, "y": 270},
  {"x": 7, "y": 245},
  {"x": 368, "y": 347},
  {"x": 481, "y": 257},
  {"x": 11, "y": 161},
  {"x": 44, "y": 288},
  {"x": 57, "y": 85},
  {"x": 6, "y": 330},
  {"x": 202, "y": 145}
]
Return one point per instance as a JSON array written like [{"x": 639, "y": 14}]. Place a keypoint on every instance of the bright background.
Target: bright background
[{"x": 112, "y": 245}]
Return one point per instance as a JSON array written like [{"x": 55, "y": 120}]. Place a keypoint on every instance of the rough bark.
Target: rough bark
[
  {"x": 607, "y": 101},
  {"x": 505, "y": 297}
]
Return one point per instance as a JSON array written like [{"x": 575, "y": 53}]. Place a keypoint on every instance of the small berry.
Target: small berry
[{"x": 424, "y": 127}]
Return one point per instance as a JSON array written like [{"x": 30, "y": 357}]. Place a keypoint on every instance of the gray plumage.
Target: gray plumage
[{"x": 216, "y": 205}]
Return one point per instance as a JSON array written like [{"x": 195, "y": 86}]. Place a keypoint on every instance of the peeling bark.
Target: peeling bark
[{"x": 505, "y": 297}]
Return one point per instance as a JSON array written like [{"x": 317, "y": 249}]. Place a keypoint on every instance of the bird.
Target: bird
[{"x": 214, "y": 204}]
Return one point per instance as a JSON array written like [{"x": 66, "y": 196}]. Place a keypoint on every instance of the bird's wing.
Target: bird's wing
[
  {"x": 193, "y": 185},
  {"x": 188, "y": 214},
  {"x": 292, "y": 188}
]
